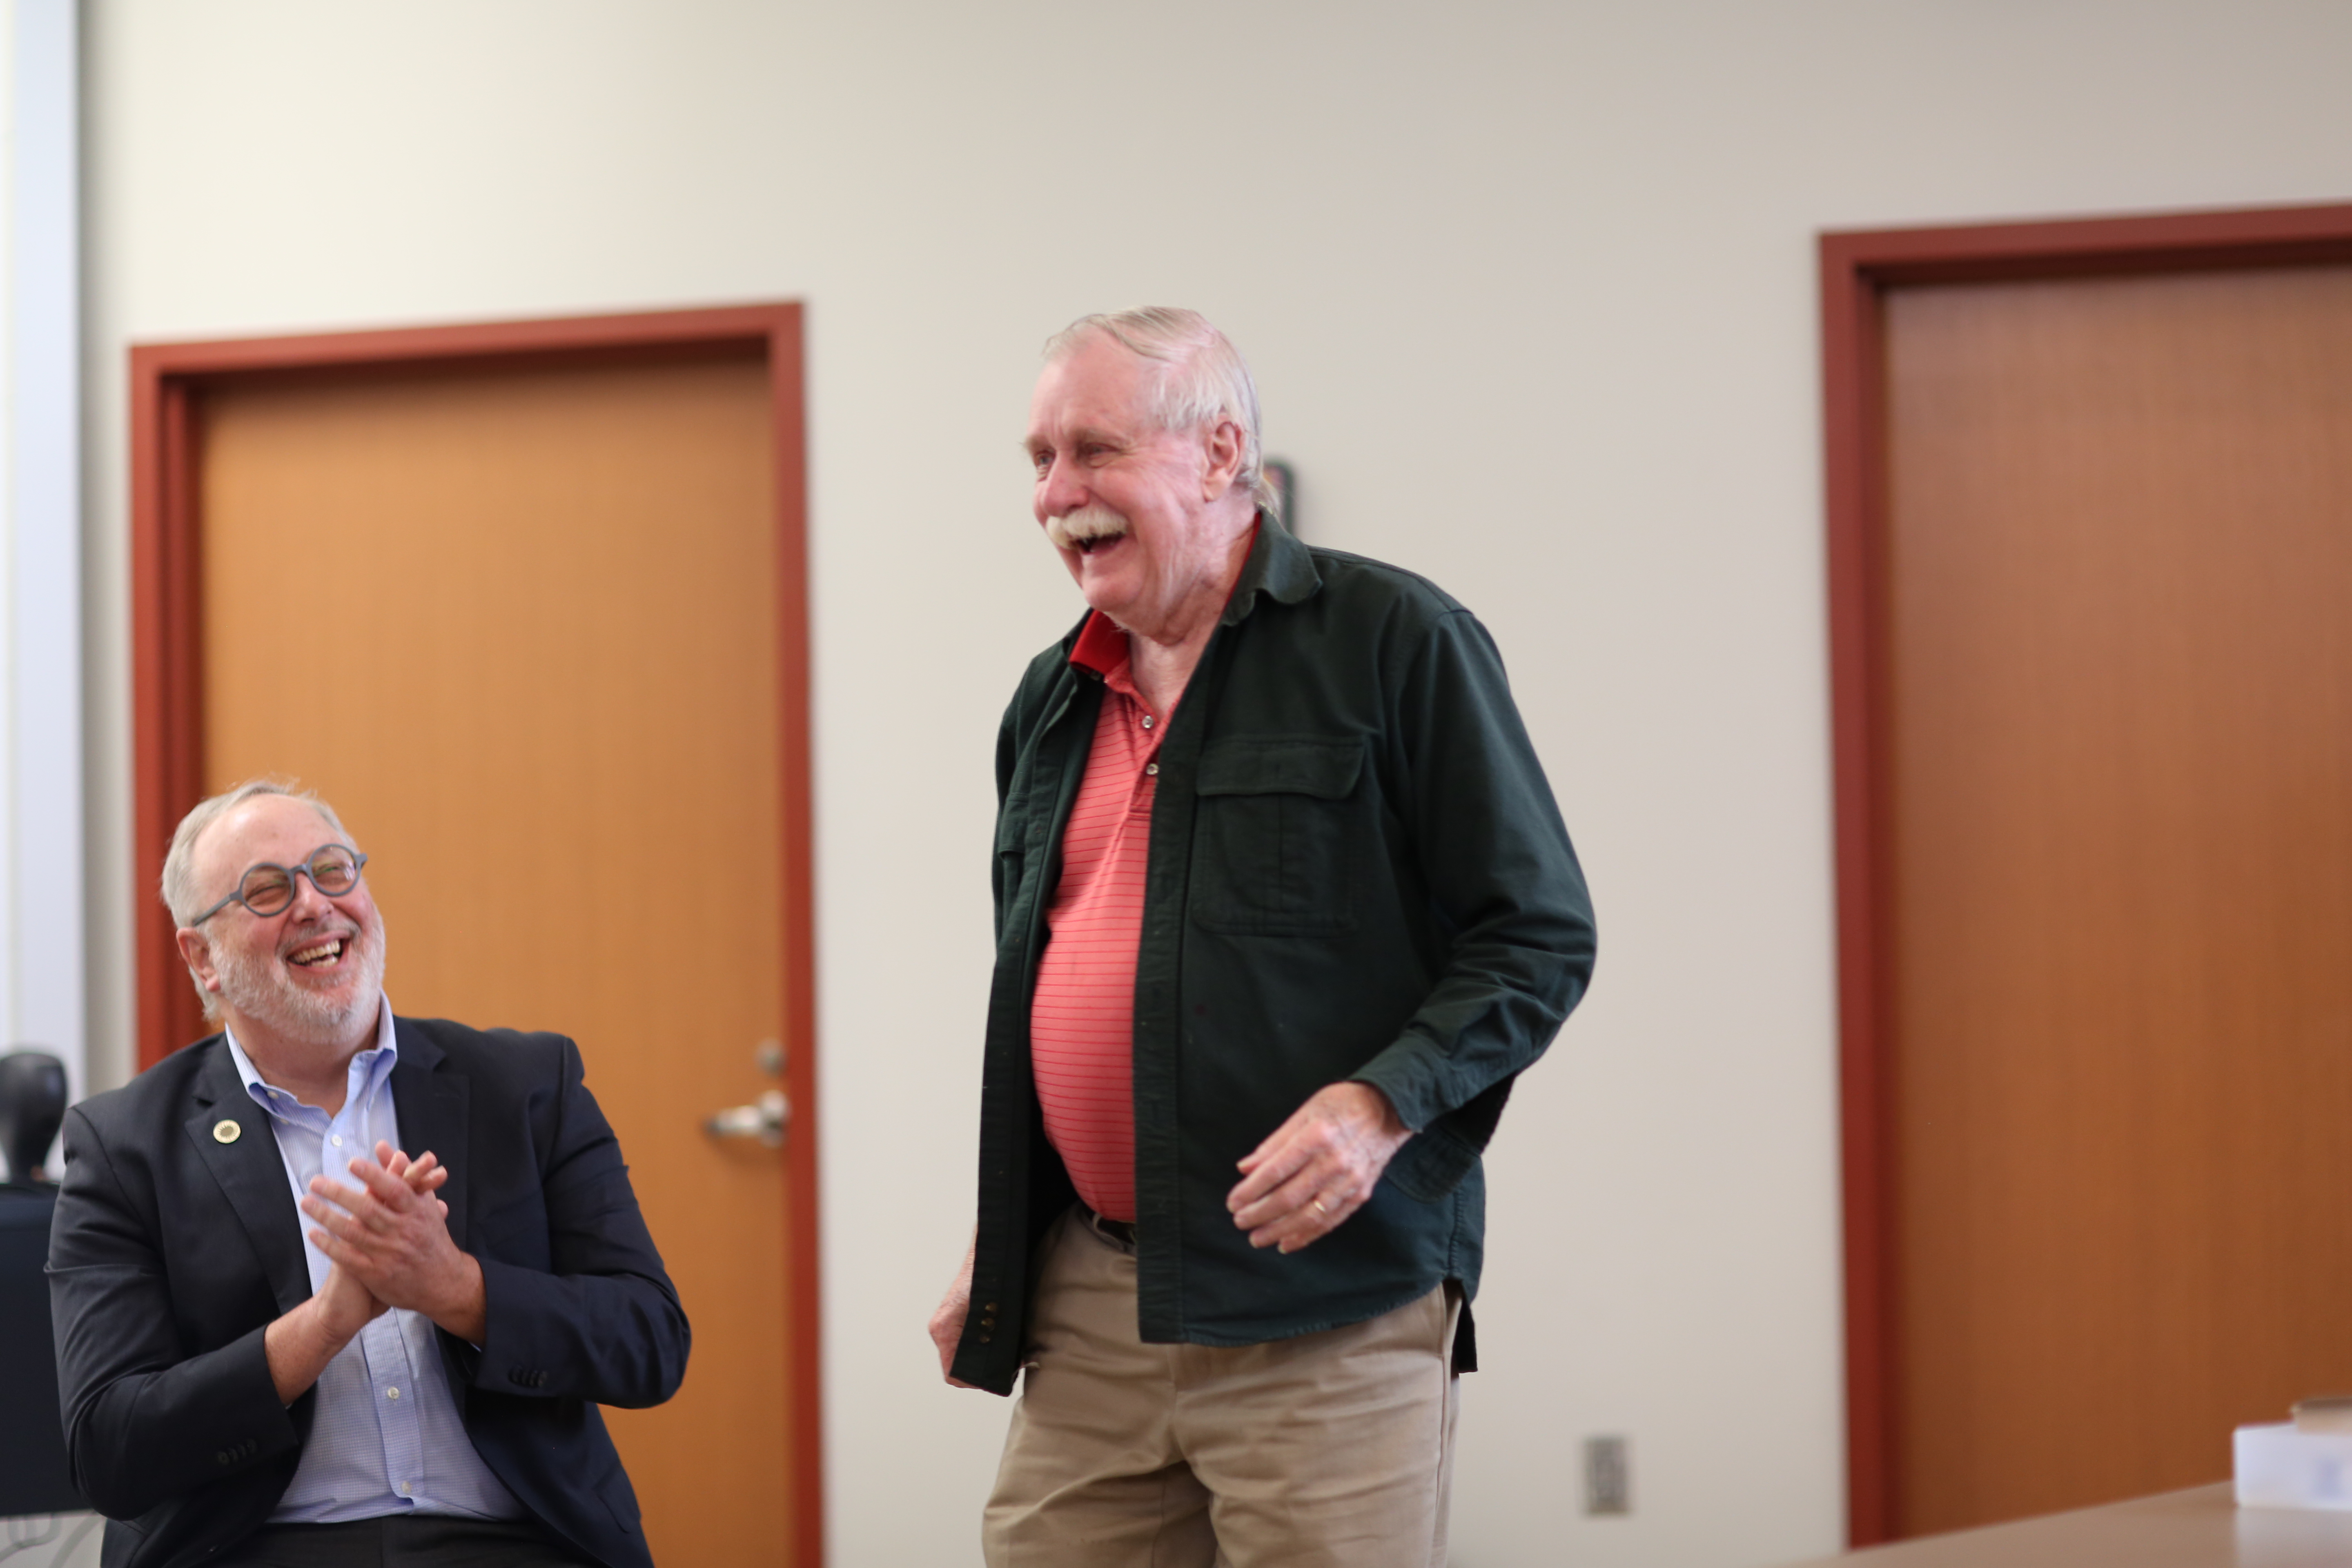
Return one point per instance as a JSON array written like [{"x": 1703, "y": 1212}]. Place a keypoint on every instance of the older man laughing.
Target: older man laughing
[{"x": 1284, "y": 905}]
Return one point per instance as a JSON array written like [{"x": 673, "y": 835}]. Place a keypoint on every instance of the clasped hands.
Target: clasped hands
[
  {"x": 389, "y": 1238},
  {"x": 387, "y": 1242}
]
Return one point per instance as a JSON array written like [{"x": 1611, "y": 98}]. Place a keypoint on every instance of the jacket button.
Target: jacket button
[
  {"x": 984, "y": 1338},
  {"x": 221, "y": 1456}
]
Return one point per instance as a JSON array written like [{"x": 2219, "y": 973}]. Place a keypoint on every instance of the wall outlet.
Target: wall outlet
[{"x": 1608, "y": 1476}]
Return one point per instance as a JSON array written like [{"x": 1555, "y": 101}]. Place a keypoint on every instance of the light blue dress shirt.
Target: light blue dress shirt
[{"x": 386, "y": 1437}]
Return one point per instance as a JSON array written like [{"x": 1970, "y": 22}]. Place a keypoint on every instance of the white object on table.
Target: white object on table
[{"x": 2279, "y": 1467}]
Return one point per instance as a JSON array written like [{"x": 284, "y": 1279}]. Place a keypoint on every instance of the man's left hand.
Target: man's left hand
[
  {"x": 1317, "y": 1168},
  {"x": 394, "y": 1240}
]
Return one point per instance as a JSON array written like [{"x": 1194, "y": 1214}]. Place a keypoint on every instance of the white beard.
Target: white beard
[
  {"x": 1092, "y": 522},
  {"x": 253, "y": 984}
]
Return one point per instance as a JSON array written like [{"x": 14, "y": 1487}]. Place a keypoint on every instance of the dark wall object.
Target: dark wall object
[
  {"x": 32, "y": 1109},
  {"x": 32, "y": 1434},
  {"x": 1284, "y": 480}
]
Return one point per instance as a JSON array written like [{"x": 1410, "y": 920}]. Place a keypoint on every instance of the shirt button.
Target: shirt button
[
  {"x": 401, "y": 1488},
  {"x": 392, "y": 1394},
  {"x": 1147, "y": 720},
  {"x": 1152, "y": 770},
  {"x": 337, "y": 1141}
]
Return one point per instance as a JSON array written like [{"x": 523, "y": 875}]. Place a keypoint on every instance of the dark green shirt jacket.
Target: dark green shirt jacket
[{"x": 1357, "y": 871}]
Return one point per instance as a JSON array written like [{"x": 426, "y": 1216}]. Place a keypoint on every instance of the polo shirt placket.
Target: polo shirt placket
[{"x": 1082, "y": 1017}]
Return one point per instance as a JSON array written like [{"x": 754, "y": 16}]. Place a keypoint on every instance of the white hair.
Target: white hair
[{"x": 1201, "y": 379}]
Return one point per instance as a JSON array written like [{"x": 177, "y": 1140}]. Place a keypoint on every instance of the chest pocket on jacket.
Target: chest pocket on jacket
[{"x": 1273, "y": 855}]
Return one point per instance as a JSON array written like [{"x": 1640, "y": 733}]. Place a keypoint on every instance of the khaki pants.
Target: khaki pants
[{"x": 1329, "y": 1449}]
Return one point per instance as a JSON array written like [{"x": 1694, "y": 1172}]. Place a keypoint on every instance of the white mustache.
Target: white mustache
[{"x": 1085, "y": 526}]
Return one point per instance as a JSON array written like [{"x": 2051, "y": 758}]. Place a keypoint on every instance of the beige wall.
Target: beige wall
[{"x": 1529, "y": 290}]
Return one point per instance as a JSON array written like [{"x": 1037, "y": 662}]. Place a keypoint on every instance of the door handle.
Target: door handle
[{"x": 764, "y": 1119}]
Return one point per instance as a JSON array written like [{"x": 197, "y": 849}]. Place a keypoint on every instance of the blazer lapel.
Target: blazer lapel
[
  {"x": 251, "y": 1174},
  {"x": 431, "y": 1100}
]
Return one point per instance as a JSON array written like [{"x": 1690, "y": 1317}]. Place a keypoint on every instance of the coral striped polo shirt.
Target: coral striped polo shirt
[{"x": 1082, "y": 1017}]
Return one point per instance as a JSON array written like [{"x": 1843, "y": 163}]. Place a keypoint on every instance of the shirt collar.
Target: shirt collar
[
  {"x": 374, "y": 1063},
  {"x": 1101, "y": 647},
  {"x": 1278, "y": 566}
]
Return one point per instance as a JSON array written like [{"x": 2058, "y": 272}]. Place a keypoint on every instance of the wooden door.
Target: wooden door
[
  {"x": 521, "y": 626},
  {"x": 2118, "y": 805}
]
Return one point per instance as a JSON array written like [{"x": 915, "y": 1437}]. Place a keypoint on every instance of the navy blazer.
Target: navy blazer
[{"x": 172, "y": 1252}]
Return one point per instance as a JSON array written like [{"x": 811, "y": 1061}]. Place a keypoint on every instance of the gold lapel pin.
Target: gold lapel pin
[{"x": 226, "y": 1132}]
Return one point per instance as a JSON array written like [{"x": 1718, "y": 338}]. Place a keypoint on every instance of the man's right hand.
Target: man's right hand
[
  {"x": 947, "y": 1322},
  {"x": 345, "y": 1305},
  {"x": 299, "y": 1345}
]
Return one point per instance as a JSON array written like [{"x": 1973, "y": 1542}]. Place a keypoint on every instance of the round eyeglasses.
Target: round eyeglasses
[{"x": 267, "y": 889}]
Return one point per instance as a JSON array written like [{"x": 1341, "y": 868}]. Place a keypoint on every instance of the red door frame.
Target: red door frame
[
  {"x": 1856, "y": 270},
  {"x": 166, "y": 382}
]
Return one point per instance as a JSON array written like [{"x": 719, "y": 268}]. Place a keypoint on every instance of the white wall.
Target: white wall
[
  {"x": 1529, "y": 290},
  {"x": 42, "y": 983},
  {"x": 42, "y": 986}
]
